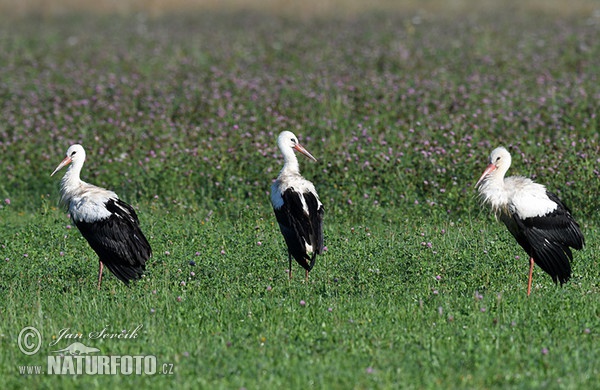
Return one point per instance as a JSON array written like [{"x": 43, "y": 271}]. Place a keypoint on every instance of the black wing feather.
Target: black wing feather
[
  {"x": 118, "y": 241},
  {"x": 299, "y": 228},
  {"x": 548, "y": 239}
]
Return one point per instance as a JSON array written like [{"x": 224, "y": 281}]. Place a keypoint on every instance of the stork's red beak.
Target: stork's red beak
[
  {"x": 490, "y": 168},
  {"x": 63, "y": 163},
  {"x": 305, "y": 152}
]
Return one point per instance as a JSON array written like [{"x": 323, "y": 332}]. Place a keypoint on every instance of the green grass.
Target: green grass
[{"x": 419, "y": 286}]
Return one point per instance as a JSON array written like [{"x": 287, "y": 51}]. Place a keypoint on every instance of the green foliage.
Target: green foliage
[{"x": 419, "y": 287}]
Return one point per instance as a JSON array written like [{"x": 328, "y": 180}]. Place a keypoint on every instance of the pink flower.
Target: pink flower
[{"x": 302, "y": 303}]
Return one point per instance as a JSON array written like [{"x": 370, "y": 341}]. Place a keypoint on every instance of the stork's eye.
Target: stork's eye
[
  {"x": 73, "y": 153},
  {"x": 294, "y": 140},
  {"x": 497, "y": 158}
]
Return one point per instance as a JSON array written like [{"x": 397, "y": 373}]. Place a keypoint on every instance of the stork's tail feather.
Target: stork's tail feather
[
  {"x": 126, "y": 273},
  {"x": 307, "y": 262},
  {"x": 312, "y": 261}
]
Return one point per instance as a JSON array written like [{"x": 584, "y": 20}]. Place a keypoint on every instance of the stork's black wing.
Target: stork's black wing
[
  {"x": 300, "y": 227},
  {"x": 549, "y": 239},
  {"x": 118, "y": 241}
]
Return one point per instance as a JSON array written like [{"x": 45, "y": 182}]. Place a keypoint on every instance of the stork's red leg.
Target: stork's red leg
[
  {"x": 100, "y": 268},
  {"x": 306, "y": 277},
  {"x": 531, "y": 262},
  {"x": 290, "y": 265}
]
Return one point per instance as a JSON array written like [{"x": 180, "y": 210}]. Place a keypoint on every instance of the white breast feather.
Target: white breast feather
[
  {"x": 90, "y": 204},
  {"x": 529, "y": 200}
]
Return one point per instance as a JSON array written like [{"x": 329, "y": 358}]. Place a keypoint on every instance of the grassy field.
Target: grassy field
[{"x": 419, "y": 287}]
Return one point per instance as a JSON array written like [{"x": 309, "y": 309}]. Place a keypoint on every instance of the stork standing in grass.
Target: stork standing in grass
[
  {"x": 539, "y": 221},
  {"x": 110, "y": 225},
  {"x": 297, "y": 206}
]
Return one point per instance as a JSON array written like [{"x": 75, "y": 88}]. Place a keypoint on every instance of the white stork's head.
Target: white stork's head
[
  {"x": 75, "y": 155},
  {"x": 287, "y": 143},
  {"x": 499, "y": 163}
]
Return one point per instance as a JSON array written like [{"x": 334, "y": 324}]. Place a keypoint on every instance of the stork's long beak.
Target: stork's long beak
[
  {"x": 63, "y": 163},
  {"x": 305, "y": 152},
  {"x": 490, "y": 168}
]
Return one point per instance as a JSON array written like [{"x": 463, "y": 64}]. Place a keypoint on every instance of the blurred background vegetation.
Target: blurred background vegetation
[{"x": 305, "y": 8}]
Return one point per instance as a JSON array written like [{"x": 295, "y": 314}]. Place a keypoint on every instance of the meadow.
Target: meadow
[{"x": 419, "y": 286}]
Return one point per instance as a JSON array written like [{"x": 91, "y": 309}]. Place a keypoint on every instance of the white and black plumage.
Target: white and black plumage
[
  {"x": 110, "y": 225},
  {"x": 297, "y": 206},
  {"x": 539, "y": 221}
]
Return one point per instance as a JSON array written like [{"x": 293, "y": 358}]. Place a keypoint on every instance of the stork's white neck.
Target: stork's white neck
[
  {"x": 290, "y": 162},
  {"x": 71, "y": 182},
  {"x": 493, "y": 189},
  {"x": 494, "y": 192}
]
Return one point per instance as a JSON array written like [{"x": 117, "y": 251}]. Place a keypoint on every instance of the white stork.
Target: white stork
[
  {"x": 110, "y": 225},
  {"x": 297, "y": 206},
  {"x": 539, "y": 221}
]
